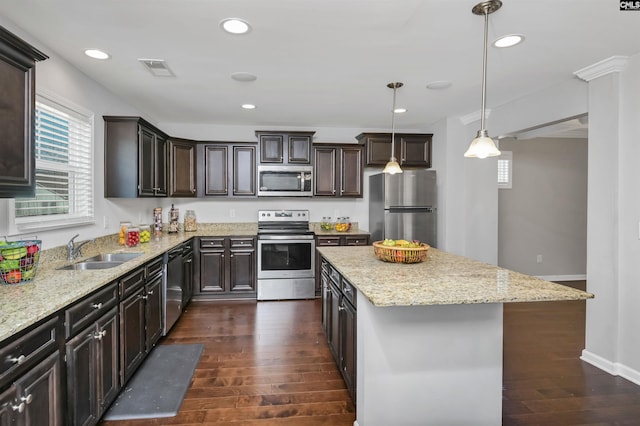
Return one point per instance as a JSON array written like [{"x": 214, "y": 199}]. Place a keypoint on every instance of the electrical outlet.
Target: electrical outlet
[
  {"x": 232, "y": 213},
  {"x": 539, "y": 258},
  {"x": 106, "y": 222}
]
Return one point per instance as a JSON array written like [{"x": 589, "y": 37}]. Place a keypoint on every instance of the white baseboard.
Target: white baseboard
[
  {"x": 577, "y": 277},
  {"x": 613, "y": 368}
]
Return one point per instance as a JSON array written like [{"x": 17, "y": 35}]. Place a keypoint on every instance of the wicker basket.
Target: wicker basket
[
  {"x": 400, "y": 254},
  {"x": 19, "y": 261}
]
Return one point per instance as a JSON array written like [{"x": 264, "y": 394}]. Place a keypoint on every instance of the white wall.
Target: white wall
[{"x": 545, "y": 211}]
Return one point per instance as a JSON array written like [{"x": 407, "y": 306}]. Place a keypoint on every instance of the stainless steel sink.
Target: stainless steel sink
[
  {"x": 113, "y": 257},
  {"x": 88, "y": 265}
]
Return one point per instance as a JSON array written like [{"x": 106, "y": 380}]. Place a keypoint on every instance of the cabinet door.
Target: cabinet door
[
  {"x": 40, "y": 389},
  {"x": 334, "y": 321},
  {"x": 182, "y": 158},
  {"x": 244, "y": 170},
  {"x": 153, "y": 311},
  {"x": 351, "y": 172},
  {"x": 299, "y": 149},
  {"x": 378, "y": 149},
  {"x": 271, "y": 148},
  {"x": 348, "y": 345},
  {"x": 132, "y": 334},
  {"x": 106, "y": 340},
  {"x": 81, "y": 377},
  {"x": 187, "y": 288},
  {"x": 17, "y": 91},
  {"x": 160, "y": 167},
  {"x": 415, "y": 150},
  {"x": 326, "y": 303},
  {"x": 216, "y": 175},
  {"x": 242, "y": 271},
  {"x": 8, "y": 407},
  {"x": 146, "y": 160},
  {"x": 212, "y": 271},
  {"x": 325, "y": 171}
]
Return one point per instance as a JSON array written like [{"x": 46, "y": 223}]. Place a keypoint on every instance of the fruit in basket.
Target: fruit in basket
[
  {"x": 8, "y": 265},
  {"x": 33, "y": 249},
  {"x": 14, "y": 253},
  {"x": 401, "y": 243},
  {"x": 13, "y": 277},
  {"x": 389, "y": 243}
]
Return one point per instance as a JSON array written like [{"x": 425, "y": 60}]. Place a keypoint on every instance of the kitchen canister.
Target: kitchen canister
[{"x": 190, "y": 223}]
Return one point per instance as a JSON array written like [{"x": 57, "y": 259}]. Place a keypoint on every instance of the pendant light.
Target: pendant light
[
  {"x": 392, "y": 166},
  {"x": 483, "y": 146}
]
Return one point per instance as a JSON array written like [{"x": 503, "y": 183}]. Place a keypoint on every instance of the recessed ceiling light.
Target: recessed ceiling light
[
  {"x": 96, "y": 54},
  {"x": 439, "y": 85},
  {"x": 235, "y": 26},
  {"x": 248, "y": 106},
  {"x": 400, "y": 110},
  {"x": 509, "y": 40},
  {"x": 243, "y": 76}
]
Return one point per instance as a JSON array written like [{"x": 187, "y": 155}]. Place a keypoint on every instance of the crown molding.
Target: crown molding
[
  {"x": 474, "y": 116},
  {"x": 604, "y": 67}
]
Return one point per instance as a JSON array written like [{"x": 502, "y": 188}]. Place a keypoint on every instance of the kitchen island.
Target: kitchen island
[{"x": 429, "y": 335}]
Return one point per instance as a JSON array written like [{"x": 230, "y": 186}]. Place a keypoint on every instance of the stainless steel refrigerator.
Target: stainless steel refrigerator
[{"x": 403, "y": 206}]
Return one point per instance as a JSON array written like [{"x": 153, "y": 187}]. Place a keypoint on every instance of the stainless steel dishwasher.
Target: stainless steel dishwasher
[{"x": 172, "y": 287}]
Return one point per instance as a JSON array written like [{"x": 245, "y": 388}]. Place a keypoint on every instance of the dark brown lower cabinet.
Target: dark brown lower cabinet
[
  {"x": 92, "y": 370},
  {"x": 35, "y": 398},
  {"x": 225, "y": 267},
  {"x": 336, "y": 240},
  {"x": 339, "y": 321}
]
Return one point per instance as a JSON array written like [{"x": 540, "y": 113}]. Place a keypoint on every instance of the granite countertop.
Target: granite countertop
[
  {"x": 22, "y": 305},
  {"x": 442, "y": 279}
]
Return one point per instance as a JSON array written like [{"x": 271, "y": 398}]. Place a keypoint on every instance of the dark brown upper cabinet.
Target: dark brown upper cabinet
[
  {"x": 182, "y": 168},
  {"x": 227, "y": 170},
  {"x": 285, "y": 147},
  {"x": 338, "y": 170},
  {"x": 135, "y": 155},
  {"x": 17, "y": 120},
  {"x": 411, "y": 149}
]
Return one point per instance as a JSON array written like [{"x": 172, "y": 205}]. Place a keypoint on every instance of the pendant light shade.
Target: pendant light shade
[
  {"x": 483, "y": 146},
  {"x": 392, "y": 166}
]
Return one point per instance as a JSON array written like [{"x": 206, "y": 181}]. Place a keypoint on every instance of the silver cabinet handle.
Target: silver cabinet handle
[
  {"x": 19, "y": 408},
  {"x": 27, "y": 399},
  {"x": 150, "y": 292},
  {"x": 96, "y": 305},
  {"x": 100, "y": 334},
  {"x": 19, "y": 360}
]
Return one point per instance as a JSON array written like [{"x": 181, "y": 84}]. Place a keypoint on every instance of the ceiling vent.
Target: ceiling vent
[{"x": 157, "y": 67}]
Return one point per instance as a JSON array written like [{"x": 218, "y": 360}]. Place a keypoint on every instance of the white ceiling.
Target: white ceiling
[{"x": 325, "y": 63}]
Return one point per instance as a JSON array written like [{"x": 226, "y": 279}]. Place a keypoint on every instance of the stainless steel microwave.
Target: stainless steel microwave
[{"x": 285, "y": 181}]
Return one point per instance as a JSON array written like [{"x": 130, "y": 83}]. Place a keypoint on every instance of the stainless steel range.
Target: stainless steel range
[{"x": 286, "y": 255}]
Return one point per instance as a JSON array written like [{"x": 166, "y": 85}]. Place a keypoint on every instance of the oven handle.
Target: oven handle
[{"x": 286, "y": 237}]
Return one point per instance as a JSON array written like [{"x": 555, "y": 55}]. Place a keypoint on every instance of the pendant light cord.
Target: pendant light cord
[
  {"x": 484, "y": 68},
  {"x": 393, "y": 124}
]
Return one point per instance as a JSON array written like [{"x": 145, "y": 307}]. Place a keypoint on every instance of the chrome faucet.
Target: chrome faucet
[{"x": 74, "y": 250}]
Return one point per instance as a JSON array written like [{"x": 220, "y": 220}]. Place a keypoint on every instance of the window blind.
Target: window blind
[
  {"x": 64, "y": 177},
  {"x": 505, "y": 166}
]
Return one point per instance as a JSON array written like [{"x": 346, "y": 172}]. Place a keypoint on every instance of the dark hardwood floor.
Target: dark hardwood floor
[{"x": 268, "y": 363}]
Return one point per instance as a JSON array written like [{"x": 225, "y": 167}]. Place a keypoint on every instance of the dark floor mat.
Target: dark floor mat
[{"x": 158, "y": 387}]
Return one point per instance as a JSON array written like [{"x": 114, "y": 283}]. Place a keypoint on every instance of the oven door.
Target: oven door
[{"x": 286, "y": 256}]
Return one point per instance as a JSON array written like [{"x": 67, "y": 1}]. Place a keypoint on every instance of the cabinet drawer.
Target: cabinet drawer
[
  {"x": 356, "y": 240},
  {"x": 335, "y": 276},
  {"x": 328, "y": 241},
  {"x": 241, "y": 242},
  {"x": 27, "y": 348},
  {"x": 131, "y": 283},
  {"x": 89, "y": 309},
  {"x": 154, "y": 267},
  {"x": 349, "y": 291},
  {"x": 206, "y": 243}
]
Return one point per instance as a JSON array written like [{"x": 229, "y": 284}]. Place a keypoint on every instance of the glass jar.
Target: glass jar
[
  {"x": 122, "y": 235},
  {"x": 133, "y": 236},
  {"x": 326, "y": 224},
  {"x": 174, "y": 214},
  {"x": 190, "y": 223},
  {"x": 145, "y": 233},
  {"x": 157, "y": 221}
]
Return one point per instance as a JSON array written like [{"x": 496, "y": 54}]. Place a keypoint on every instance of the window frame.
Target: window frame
[{"x": 54, "y": 221}]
